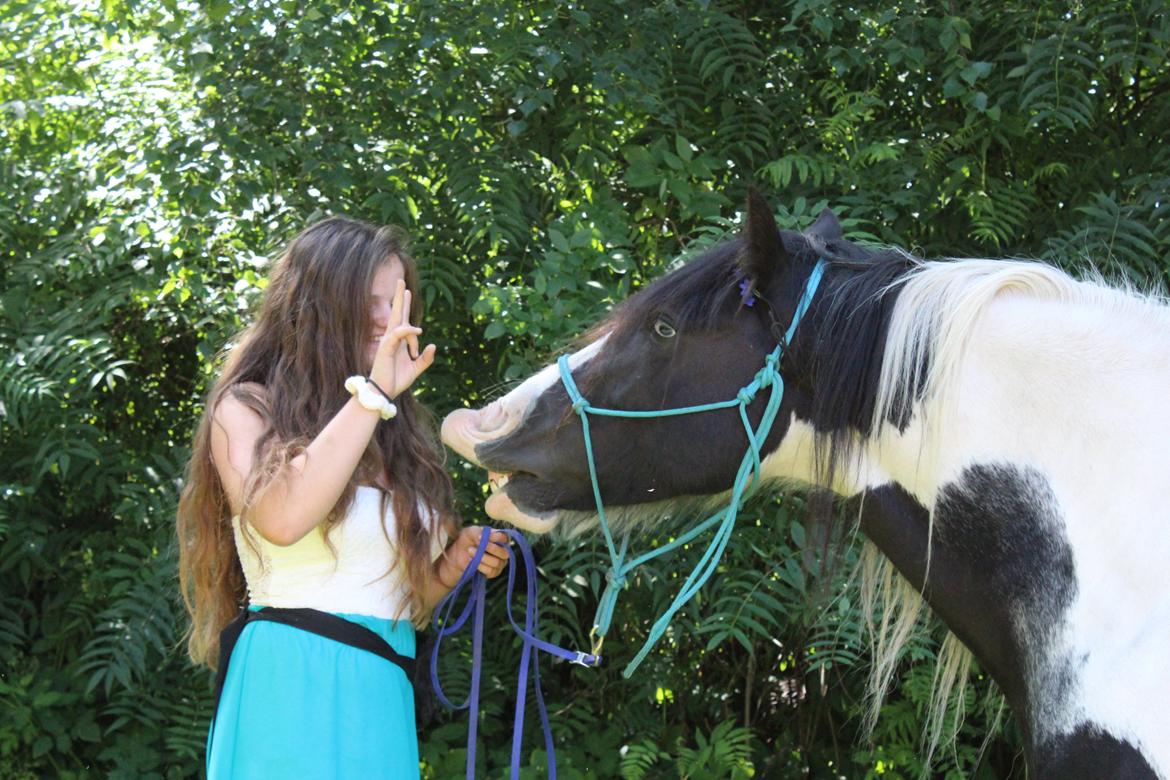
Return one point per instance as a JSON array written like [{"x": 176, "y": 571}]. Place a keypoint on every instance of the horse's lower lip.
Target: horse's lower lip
[{"x": 500, "y": 506}]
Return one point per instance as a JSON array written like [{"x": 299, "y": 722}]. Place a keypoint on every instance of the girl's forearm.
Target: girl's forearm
[{"x": 436, "y": 586}]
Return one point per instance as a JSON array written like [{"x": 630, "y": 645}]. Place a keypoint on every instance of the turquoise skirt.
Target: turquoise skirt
[{"x": 296, "y": 704}]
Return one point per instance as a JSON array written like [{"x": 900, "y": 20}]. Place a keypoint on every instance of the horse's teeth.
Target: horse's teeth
[{"x": 497, "y": 480}]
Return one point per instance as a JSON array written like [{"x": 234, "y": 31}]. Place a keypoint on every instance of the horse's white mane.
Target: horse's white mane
[{"x": 940, "y": 302}]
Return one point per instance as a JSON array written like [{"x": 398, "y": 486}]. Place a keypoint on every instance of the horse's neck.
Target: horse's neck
[
  {"x": 1048, "y": 480},
  {"x": 1064, "y": 403}
]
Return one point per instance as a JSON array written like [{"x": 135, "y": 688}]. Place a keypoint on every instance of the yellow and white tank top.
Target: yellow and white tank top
[{"x": 309, "y": 574}]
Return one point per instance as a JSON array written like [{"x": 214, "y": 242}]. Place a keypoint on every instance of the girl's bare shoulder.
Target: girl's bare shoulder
[
  {"x": 235, "y": 419},
  {"x": 235, "y": 429}
]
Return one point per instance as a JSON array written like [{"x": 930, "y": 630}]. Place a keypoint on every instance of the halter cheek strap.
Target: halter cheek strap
[{"x": 746, "y": 480}]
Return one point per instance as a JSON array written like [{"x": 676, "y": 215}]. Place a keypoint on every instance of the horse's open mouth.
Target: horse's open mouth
[
  {"x": 500, "y": 505},
  {"x": 462, "y": 433}
]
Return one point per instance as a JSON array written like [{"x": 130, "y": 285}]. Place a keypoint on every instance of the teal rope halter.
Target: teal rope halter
[{"x": 746, "y": 481}]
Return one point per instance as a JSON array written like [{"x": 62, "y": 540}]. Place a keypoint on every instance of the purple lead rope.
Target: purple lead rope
[{"x": 529, "y": 662}]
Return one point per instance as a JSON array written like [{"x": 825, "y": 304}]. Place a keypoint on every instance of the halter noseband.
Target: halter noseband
[{"x": 746, "y": 479}]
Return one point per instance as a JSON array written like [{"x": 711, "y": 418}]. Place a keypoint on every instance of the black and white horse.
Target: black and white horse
[{"x": 1002, "y": 424}]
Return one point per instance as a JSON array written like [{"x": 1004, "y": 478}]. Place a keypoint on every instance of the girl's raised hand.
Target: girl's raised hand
[{"x": 398, "y": 362}]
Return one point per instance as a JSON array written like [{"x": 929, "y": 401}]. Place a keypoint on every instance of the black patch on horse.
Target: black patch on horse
[
  {"x": 1001, "y": 572},
  {"x": 1019, "y": 579},
  {"x": 1089, "y": 753}
]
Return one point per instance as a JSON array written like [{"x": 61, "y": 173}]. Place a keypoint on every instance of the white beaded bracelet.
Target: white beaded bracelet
[{"x": 369, "y": 397}]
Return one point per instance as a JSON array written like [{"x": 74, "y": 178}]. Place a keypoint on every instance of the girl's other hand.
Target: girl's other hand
[{"x": 459, "y": 553}]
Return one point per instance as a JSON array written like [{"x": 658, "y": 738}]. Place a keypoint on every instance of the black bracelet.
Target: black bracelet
[{"x": 380, "y": 390}]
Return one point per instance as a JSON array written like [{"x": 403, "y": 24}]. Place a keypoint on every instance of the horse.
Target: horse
[{"x": 996, "y": 421}]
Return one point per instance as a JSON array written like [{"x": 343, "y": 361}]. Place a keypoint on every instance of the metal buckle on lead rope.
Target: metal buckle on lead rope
[{"x": 596, "y": 641}]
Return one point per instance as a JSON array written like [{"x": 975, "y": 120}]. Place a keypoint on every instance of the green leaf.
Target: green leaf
[
  {"x": 217, "y": 10},
  {"x": 975, "y": 71}
]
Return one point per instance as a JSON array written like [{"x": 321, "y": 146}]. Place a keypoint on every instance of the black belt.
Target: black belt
[{"x": 314, "y": 621}]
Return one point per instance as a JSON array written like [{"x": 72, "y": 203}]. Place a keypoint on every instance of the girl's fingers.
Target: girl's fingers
[
  {"x": 496, "y": 551},
  {"x": 396, "y": 304},
  {"x": 424, "y": 360},
  {"x": 492, "y": 567},
  {"x": 496, "y": 554},
  {"x": 407, "y": 331},
  {"x": 395, "y": 307},
  {"x": 411, "y": 341},
  {"x": 494, "y": 560},
  {"x": 395, "y": 336}
]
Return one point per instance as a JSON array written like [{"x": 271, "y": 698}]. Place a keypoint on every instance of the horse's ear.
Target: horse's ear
[
  {"x": 827, "y": 227},
  {"x": 764, "y": 252}
]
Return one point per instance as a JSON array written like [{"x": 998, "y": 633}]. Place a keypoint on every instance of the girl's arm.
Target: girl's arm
[{"x": 300, "y": 497}]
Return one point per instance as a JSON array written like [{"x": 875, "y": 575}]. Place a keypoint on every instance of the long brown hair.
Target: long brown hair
[{"x": 309, "y": 334}]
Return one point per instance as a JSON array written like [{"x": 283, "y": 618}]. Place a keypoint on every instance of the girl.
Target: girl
[{"x": 316, "y": 490}]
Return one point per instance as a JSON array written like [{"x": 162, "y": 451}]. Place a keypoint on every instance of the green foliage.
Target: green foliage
[{"x": 549, "y": 159}]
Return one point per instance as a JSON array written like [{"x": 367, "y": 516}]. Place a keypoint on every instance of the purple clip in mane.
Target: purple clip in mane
[{"x": 746, "y": 294}]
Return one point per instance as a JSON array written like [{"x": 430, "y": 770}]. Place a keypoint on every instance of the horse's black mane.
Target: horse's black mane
[
  {"x": 848, "y": 337},
  {"x": 695, "y": 294}
]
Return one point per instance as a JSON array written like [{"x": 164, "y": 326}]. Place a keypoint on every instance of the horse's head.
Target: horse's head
[{"x": 695, "y": 336}]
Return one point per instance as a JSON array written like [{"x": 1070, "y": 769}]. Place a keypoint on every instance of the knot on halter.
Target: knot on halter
[
  {"x": 616, "y": 579},
  {"x": 579, "y": 404},
  {"x": 771, "y": 361},
  {"x": 746, "y": 395}
]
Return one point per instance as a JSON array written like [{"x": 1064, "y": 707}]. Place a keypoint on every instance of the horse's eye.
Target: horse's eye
[{"x": 664, "y": 328}]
